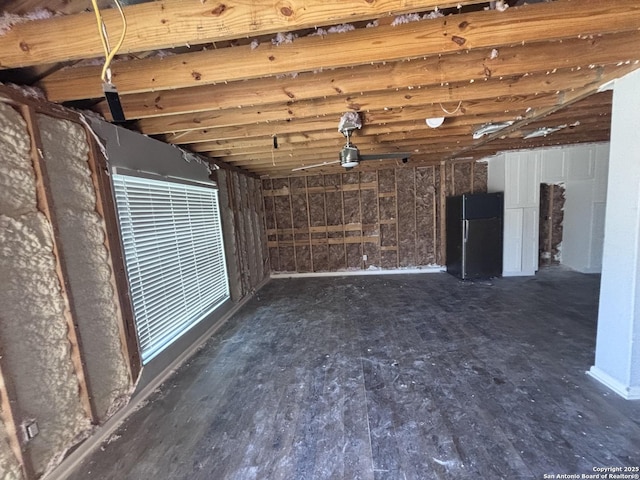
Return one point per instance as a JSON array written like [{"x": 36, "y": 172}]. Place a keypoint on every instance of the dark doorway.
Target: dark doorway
[{"x": 551, "y": 217}]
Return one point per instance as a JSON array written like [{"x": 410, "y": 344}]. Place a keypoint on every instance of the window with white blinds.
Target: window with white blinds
[{"x": 174, "y": 254}]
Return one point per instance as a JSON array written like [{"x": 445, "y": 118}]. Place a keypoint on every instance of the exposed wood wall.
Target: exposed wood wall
[
  {"x": 63, "y": 350},
  {"x": 388, "y": 219},
  {"x": 242, "y": 213},
  {"x": 552, "y": 199}
]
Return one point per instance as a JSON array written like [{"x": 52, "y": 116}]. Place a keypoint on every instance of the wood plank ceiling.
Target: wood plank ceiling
[{"x": 224, "y": 79}]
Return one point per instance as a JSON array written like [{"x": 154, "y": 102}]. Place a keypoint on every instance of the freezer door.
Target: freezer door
[
  {"x": 454, "y": 236},
  {"x": 482, "y": 250},
  {"x": 482, "y": 205}
]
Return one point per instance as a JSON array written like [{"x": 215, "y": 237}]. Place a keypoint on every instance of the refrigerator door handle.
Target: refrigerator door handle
[{"x": 465, "y": 236}]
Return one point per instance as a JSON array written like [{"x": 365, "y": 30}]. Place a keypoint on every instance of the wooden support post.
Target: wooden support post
[
  {"x": 45, "y": 205},
  {"x": 442, "y": 209},
  {"x": 306, "y": 192},
  {"x": 293, "y": 234},
  {"x": 395, "y": 187},
  {"x": 106, "y": 209}
]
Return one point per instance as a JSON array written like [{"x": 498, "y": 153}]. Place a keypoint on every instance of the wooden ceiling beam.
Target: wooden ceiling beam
[
  {"x": 435, "y": 157},
  {"x": 295, "y": 138},
  {"x": 320, "y": 153},
  {"x": 593, "y": 129},
  {"x": 515, "y": 105},
  {"x": 171, "y": 23},
  {"x": 430, "y": 97},
  {"x": 587, "y": 115},
  {"x": 459, "y": 67},
  {"x": 566, "y": 99},
  {"x": 337, "y": 141},
  {"x": 539, "y": 22}
]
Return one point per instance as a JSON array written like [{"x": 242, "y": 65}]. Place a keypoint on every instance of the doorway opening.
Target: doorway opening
[{"x": 552, "y": 199}]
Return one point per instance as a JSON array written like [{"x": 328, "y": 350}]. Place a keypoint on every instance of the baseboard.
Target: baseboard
[
  {"x": 628, "y": 393},
  {"x": 351, "y": 273},
  {"x": 102, "y": 432}
]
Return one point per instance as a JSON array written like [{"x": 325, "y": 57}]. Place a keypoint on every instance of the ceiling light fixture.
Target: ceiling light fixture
[
  {"x": 435, "y": 122},
  {"x": 489, "y": 128}
]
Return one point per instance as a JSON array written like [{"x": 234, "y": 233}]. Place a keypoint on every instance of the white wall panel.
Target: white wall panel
[
  {"x": 580, "y": 162},
  {"x": 583, "y": 170},
  {"x": 512, "y": 257},
  {"x": 552, "y": 166},
  {"x": 530, "y": 241}
]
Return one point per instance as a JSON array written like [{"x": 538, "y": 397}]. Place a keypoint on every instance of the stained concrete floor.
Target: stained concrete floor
[{"x": 387, "y": 377}]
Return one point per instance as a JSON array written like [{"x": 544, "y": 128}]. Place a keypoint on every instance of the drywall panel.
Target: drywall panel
[
  {"x": 33, "y": 327},
  {"x": 513, "y": 232},
  {"x": 82, "y": 240},
  {"x": 496, "y": 180},
  {"x": 601, "y": 173},
  {"x": 522, "y": 177},
  {"x": 577, "y": 226},
  {"x": 580, "y": 162},
  {"x": 131, "y": 150},
  {"x": 583, "y": 171},
  {"x": 552, "y": 166},
  {"x": 597, "y": 237},
  {"x": 530, "y": 225},
  {"x": 617, "y": 362}
]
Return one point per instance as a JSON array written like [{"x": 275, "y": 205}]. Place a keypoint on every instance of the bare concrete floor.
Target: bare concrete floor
[{"x": 387, "y": 377}]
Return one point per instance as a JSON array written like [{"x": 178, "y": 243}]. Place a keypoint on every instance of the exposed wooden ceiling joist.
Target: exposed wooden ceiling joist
[
  {"x": 459, "y": 67},
  {"x": 539, "y": 22},
  {"x": 537, "y": 66},
  {"x": 435, "y": 100},
  {"x": 171, "y": 23}
]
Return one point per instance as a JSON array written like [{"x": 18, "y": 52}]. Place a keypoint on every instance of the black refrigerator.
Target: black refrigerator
[{"x": 474, "y": 235}]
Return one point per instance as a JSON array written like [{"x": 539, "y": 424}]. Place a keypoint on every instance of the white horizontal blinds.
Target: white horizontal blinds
[{"x": 172, "y": 238}]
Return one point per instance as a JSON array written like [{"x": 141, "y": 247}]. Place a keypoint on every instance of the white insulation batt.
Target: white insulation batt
[
  {"x": 82, "y": 237},
  {"x": 33, "y": 329}
]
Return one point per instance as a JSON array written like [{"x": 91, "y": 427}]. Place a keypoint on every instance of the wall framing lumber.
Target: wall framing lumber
[
  {"x": 45, "y": 205},
  {"x": 106, "y": 209},
  {"x": 392, "y": 215},
  {"x": 105, "y": 206}
]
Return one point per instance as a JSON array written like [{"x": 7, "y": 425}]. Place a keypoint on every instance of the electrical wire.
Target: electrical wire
[
  {"x": 454, "y": 112},
  {"x": 102, "y": 31}
]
